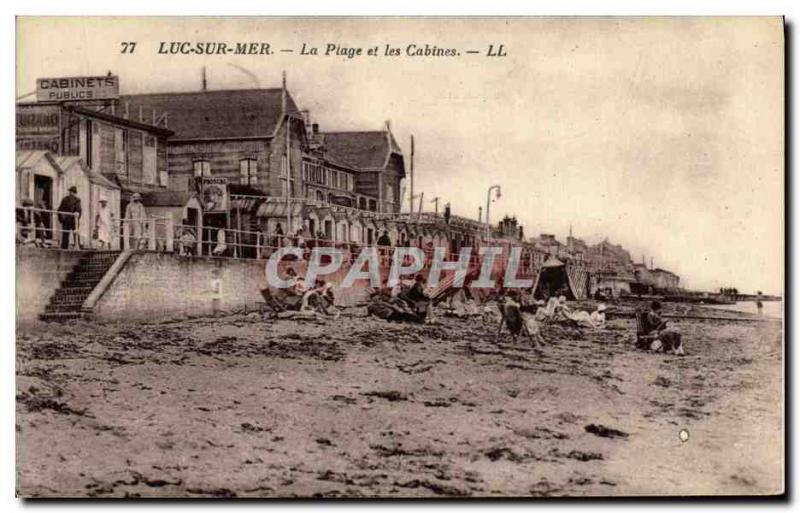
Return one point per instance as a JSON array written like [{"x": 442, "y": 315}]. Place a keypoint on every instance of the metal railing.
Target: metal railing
[
  {"x": 42, "y": 227},
  {"x": 163, "y": 235}
]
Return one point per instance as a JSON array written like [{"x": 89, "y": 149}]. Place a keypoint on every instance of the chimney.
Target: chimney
[
  {"x": 205, "y": 82},
  {"x": 388, "y": 126},
  {"x": 315, "y": 128}
]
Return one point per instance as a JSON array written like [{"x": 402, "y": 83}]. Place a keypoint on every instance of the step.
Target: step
[
  {"x": 62, "y": 298},
  {"x": 61, "y": 316},
  {"x": 80, "y": 284},
  {"x": 63, "y": 307},
  {"x": 91, "y": 268},
  {"x": 84, "y": 276},
  {"x": 75, "y": 290},
  {"x": 96, "y": 261}
]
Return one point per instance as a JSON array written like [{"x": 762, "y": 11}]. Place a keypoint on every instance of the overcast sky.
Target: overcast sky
[{"x": 664, "y": 135}]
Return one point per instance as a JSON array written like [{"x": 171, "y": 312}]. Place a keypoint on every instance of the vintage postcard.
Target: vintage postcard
[{"x": 399, "y": 257}]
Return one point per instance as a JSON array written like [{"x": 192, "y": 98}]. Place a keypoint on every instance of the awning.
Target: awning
[
  {"x": 246, "y": 203},
  {"x": 552, "y": 262},
  {"x": 272, "y": 209}
]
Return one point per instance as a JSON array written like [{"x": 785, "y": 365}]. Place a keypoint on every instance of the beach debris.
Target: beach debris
[
  {"x": 661, "y": 381},
  {"x": 389, "y": 395},
  {"x": 250, "y": 428},
  {"x": 583, "y": 456},
  {"x": 434, "y": 487},
  {"x": 503, "y": 453},
  {"x": 605, "y": 432}
]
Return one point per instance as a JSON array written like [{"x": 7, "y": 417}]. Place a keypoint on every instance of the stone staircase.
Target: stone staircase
[{"x": 67, "y": 301}]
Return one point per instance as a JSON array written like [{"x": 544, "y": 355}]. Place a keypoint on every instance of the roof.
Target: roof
[
  {"x": 105, "y": 116},
  {"x": 166, "y": 198},
  {"x": 29, "y": 158},
  {"x": 367, "y": 150},
  {"x": 552, "y": 262},
  {"x": 65, "y": 162},
  {"x": 659, "y": 270},
  {"x": 221, "y": 114}
]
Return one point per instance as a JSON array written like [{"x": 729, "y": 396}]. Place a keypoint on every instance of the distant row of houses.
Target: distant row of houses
[{"x": 610, "y": 265}]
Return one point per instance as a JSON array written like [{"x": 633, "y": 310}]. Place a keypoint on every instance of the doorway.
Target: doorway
[{"x": 43, "y": 198}]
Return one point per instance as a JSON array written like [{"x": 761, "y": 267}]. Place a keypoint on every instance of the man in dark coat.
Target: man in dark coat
[
  {"x": 384, "y": 239},
  {"x": 69, "y": 213}
]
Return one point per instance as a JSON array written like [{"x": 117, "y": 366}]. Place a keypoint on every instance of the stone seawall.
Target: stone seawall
[
  {"x": 155, "y": 286},
  {"x": 39, "y": 273}
]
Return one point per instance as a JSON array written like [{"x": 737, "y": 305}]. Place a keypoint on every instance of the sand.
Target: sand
[{"x": 358, "y": 407}]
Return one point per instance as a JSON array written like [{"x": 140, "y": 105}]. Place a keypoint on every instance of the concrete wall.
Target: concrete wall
[
  {"x": 156, "y": 286},
  {"x": 39, "y": 274}
]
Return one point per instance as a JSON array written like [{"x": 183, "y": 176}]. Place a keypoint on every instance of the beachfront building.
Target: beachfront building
[
  {"x": 655, "y": 280},
  {"x": 42, "y": 176},
  {"x": 665, "y": 280},
  {"x": 96, "y": 148},
  {"x": 302, "y": 180},
  {"x": 379, "y": 164},
  {"x": 547, "y": 243}
]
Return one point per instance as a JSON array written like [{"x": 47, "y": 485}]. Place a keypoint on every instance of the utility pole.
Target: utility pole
[
  {"x": 435, "y": 202},
  {"x": 284, "y": 104},
  {"x": 411, "y": 192}
]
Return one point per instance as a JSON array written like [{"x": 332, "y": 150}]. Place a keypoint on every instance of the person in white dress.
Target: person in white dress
[{"x": 103, "y": 223}]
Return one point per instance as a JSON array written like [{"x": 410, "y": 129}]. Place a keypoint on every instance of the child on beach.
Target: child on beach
[{"x": 666, "y": 340}]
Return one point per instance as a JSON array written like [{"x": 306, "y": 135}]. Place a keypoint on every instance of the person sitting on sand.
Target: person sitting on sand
[
  {"x": 562, "y": 312},
  {"x": 594, "y": 320},
  {"x": 319, "y": 298},
  {"x": 667, "y": 340},
  {"x": 598, "y": 317},
  {"x": 517, "y": 322},
  {"x": 288, "y": 298},
  {"x": 548, "y": 311},
  {"x": 417, "y": 299},
  {"x": 382, "y": 304}
]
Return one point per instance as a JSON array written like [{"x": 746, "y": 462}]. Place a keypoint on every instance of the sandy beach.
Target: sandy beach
[{"x": 358, "y": 407}]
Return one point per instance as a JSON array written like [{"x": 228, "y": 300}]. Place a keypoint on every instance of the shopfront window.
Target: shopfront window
[{"x": 248, "y": 171}]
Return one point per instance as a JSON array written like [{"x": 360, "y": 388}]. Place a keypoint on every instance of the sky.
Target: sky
[{"x": 664, "y": 135}]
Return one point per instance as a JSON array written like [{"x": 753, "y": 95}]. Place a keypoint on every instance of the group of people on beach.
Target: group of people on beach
[
  {"x": 300, "y": 297},
  {"x": 402, "y": 301},
  {"x": 520, "y": 314}
]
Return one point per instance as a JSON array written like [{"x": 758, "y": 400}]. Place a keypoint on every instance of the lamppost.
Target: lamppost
[{"x": 488, "y": 203}]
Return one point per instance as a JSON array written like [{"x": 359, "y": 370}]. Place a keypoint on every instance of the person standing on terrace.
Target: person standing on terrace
[{"x": 69, "y": 215}]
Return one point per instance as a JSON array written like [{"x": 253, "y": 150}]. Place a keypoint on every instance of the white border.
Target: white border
[{"x": 310, "y": 7}]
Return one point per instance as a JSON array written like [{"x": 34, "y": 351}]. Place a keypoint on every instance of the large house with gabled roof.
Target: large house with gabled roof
[{"x": 378, "y": 160}]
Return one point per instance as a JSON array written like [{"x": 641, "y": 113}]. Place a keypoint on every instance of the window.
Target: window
[
  {"x": 149, "y": 160},
  {"x": 202, "y": 168},
  {"x": 248, "y": 170},
  {"x": 121, "y": 151}
]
